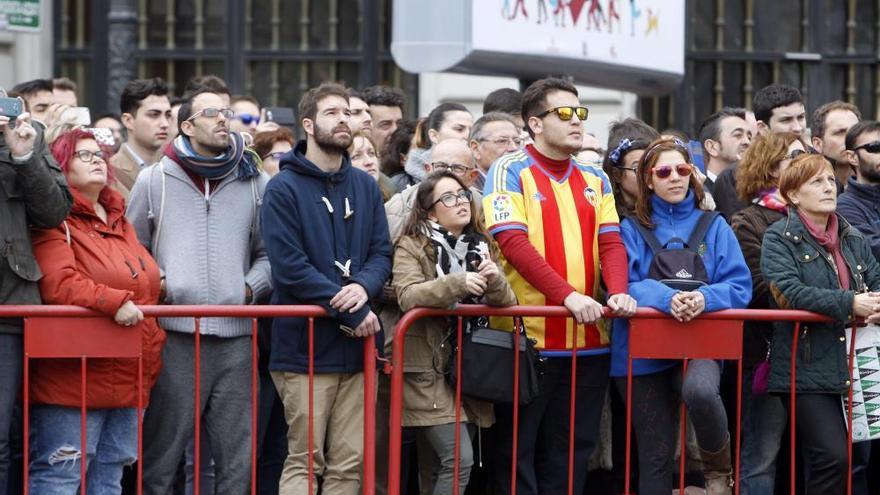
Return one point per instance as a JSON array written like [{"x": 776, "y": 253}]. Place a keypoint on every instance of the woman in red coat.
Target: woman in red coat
[{"x": 93, "y": 260}]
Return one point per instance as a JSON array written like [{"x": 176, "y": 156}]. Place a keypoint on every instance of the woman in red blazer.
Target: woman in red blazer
[{"x": 93, "y": 260}]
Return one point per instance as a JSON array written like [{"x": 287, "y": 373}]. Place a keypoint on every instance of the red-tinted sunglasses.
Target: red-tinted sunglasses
[{"x": 664, "y": 171}]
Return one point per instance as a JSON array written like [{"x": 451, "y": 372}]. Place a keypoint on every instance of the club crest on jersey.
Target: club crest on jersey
[
  {"x": 501, "y": 208},
  {"x": 590, "y": 194},
  {"x": 539, "y": 197}
]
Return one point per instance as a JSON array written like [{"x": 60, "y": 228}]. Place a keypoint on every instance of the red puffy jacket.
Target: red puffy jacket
[{"x": 101, "y": 267}]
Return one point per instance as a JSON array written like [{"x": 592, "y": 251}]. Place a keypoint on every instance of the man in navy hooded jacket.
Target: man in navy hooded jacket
[{"x": 327, "y": 238}]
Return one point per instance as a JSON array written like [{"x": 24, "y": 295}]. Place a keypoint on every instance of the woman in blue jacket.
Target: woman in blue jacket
[{"x": 667, "y": 210}]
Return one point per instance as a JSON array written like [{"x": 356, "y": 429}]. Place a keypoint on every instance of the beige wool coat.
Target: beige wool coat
[{"x": 427, "y": 399}]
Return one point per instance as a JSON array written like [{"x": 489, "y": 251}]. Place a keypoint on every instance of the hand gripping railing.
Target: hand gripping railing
[
  {"x": 653, "y": 334},
  {"x": 58, "y": 332}
]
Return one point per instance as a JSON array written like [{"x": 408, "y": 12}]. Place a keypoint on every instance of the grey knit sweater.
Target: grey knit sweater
[{"x": 207, "y": 248}]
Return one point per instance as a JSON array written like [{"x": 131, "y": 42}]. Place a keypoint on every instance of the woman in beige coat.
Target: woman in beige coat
[{"x": 443, "y": 258}]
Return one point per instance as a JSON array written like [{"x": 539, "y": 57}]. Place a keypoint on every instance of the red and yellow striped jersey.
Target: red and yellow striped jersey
[{"x": 563, "y": 219}]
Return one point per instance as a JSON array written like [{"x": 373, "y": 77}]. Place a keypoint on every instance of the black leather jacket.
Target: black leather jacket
[{"x": 32, "y": 194}]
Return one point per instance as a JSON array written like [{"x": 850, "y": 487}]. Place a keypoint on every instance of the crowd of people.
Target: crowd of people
[{"x": 202, "y": 199}]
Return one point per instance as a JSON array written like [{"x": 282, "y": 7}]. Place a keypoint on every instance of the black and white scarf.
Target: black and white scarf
[{"x": 457, "y": 254}]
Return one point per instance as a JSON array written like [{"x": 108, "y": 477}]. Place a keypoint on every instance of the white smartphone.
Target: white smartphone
[{"x": 77, "y": 115}]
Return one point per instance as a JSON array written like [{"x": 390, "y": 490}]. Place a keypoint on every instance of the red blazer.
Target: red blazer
[{"x": 100, "y": 268}]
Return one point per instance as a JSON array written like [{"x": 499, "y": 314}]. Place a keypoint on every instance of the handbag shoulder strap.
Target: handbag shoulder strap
[{"x": 701, "y": 228}]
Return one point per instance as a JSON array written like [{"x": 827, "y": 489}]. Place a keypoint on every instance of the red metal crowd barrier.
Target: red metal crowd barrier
[
  {"x": 653, "y": 334},
  {"x": 74, "y": 332}
]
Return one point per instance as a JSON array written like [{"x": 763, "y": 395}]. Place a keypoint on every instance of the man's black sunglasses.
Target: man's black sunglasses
[{"x": 872, "y": 147}]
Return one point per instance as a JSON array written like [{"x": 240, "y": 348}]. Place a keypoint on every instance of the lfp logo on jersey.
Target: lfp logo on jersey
[{"x": 501, "y": 208}]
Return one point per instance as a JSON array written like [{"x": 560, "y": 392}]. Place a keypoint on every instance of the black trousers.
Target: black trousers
[
  {"x": 821, "y": 433},
  {"x": 542, "y": 451}
]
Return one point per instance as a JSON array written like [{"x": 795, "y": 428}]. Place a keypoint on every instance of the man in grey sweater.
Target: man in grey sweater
[{"x": 197, "y": 210}]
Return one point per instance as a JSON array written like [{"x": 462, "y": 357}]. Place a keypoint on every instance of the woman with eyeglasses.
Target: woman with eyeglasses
[
  {"x": 666, "y": 216},
  {"x": 446, "y": 121},
  {"x": 94, "y": 260},
  {"x": 271, "y": 146},
  {"x": 627, "y": 140},
  {"x": 814, "y": 260},
  {"x": 443, "y": 258},
  {"x": 764, "y": 419},
  {"x": 362, "y": 153}
]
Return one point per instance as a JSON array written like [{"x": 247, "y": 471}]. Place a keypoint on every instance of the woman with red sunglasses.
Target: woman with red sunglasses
[{"x": 682, "y": 261}]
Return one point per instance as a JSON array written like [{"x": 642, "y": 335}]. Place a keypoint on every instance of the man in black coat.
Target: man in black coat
[
  {"x": 33, "y": 193},
  {"x": 860, "y": 206}
]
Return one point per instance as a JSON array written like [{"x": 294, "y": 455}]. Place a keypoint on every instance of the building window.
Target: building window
[
  {"x": 825, "y": 48},
  {"x": 271, "y": 49}
]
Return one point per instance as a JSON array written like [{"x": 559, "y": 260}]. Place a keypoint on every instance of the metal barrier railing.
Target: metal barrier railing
[
  {"x": 48, "y": 334},
  {"x": 44, "y": 333},
  {"x": 659, "y": 337}
]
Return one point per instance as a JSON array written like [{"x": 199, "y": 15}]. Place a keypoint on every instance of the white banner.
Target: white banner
[{"x": 643, "y": 34}]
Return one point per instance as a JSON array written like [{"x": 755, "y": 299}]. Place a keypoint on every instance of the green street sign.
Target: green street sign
[{"x": 20, "y": 15}]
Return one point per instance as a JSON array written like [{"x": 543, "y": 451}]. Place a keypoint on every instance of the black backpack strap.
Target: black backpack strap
[
  {"x": 649, "y": 237},
  {"x": 701, "y": 228}
]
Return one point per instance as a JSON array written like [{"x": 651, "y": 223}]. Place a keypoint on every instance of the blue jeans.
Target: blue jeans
[
  {"x": 764, "y": 420},
  {"x": 10, "y": 381},
  {"x": 55, "y": 444}
]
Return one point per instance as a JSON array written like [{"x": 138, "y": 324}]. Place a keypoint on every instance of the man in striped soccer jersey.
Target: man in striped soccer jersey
[{"x": 554, "y": 219}]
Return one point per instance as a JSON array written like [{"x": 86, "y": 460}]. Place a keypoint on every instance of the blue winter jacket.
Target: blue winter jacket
[
  {"x": 860, "y": 206},
  {"x": 305, "y": 239},
  {"x": 730, "y": 282}
]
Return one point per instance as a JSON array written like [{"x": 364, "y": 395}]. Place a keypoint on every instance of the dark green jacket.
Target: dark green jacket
[
  {"x": 33, "y": 193},
  {"x": 801, "y": 275}
]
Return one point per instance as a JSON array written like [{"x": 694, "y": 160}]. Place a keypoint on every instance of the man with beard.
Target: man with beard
[
  {"x": 197, "y": 211},
  {"x": 858, "y": 205},
  {"x": 327, "y": 239},
  {"x": 725, "y": 137},
  {"x": 386, "y": 112}
]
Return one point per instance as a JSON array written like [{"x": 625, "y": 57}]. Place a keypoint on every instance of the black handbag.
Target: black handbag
[{"x": 487, "y": 364}]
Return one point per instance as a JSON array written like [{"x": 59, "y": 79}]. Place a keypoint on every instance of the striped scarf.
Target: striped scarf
[
  {"x": 768, "y": 199},
  {"x": 236, "y": 157}
]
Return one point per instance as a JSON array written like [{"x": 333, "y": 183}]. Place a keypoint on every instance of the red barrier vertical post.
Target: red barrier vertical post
[
  {"x": 396, "y": 406},
  {"x": 629, "y": 390},
  {"x": 849, "y": 411},
  {"x": 572, "y": 409},
  {"x": 456, "y": 471},
  {"x": 370, "y": 354},
  {"x": 517, "y": 325},
  {"x": 197, "y": 435},
  {"x": 792, "y": 400},
  {"x": 311, "y": 435},
  {"x": 254, "y": 409},
  {"x": 140, "y": 424},
  {"x": 26, "y": 420},
  {"x": 738, "y": 445},
  {"x": 682, "y": 454},
  {"x": 82, "y": 453}
]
